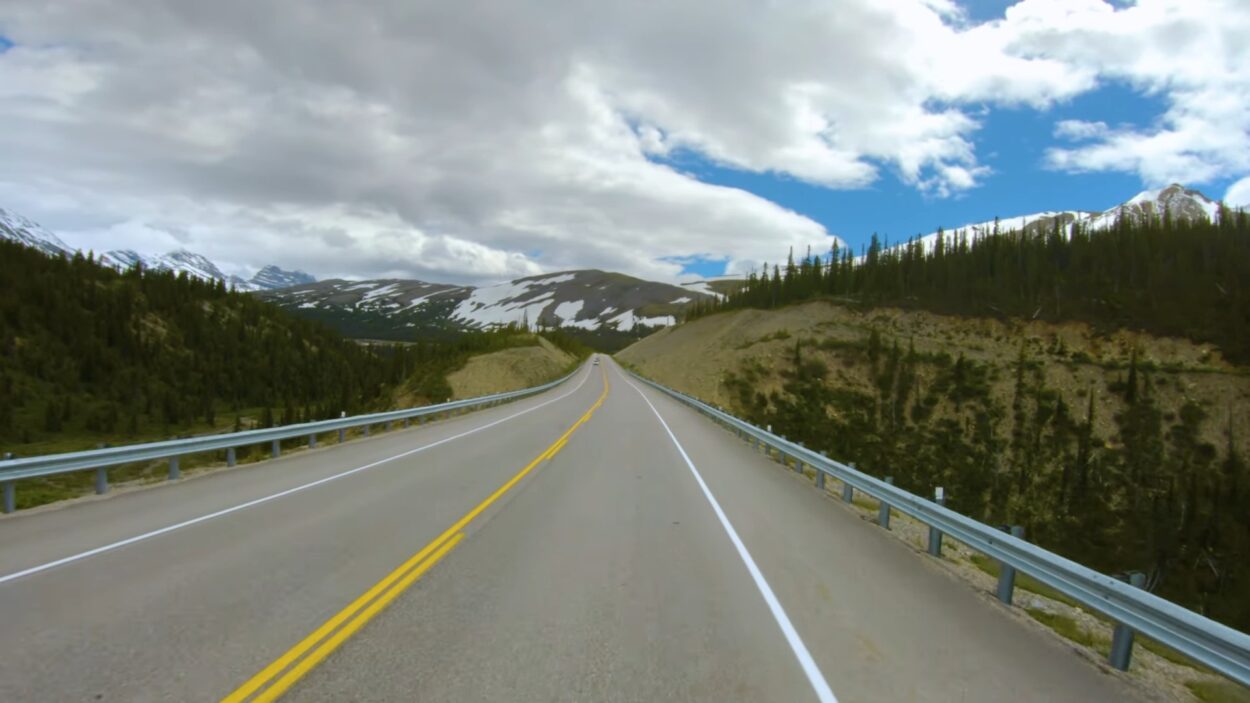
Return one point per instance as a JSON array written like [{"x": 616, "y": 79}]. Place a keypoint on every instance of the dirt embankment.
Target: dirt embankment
[
  {"x": 510, "y": 370},
  {"x": 694, "y": 357}
]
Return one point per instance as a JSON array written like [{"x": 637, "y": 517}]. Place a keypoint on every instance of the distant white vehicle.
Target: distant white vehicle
[{"x": 596, "y": 361}]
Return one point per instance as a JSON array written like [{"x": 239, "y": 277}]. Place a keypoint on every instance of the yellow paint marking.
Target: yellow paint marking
[
  {"x": 319, "y": 634},
  {"x": 397, "y": 581},
  {"x": 307, "y": 663}
]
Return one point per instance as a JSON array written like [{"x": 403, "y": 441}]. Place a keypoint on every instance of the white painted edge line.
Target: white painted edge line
[
  {"x": 817, "y": 679},
  {"x": 265, "y": 499}
]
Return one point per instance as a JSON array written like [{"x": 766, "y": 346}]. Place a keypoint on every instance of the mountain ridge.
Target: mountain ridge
[
  {"x": 21, "y": 229},
  {"x": 1175, "y": 200},
  {"x": 588, "y": 301}
]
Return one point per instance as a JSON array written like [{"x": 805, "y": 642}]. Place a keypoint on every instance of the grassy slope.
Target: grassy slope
[
  {"x": 694, "y": 357},
  {"x": 510, "y": 369}
]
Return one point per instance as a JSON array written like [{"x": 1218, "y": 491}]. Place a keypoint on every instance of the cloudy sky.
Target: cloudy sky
[{"x": 482, "y": 140}]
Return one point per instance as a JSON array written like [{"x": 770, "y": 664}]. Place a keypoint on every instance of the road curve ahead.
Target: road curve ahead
[{"x": 598, "y": 542}]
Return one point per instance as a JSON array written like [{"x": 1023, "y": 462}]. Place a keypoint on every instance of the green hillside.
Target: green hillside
[
  {"x": 89, "y": 355},
  {"x": 1186, "y": 278}
]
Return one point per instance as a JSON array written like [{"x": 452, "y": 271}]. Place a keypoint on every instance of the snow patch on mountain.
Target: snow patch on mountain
[
  {"x": 19, "y": 229},
  {"x": 551, "y": 280},
  {"x": 379, "y": 292},
  {"x": 627, "y": 321},
  {"x": 567, "y": 311},
  {"x": 501, "y": 305},
  {"x": 589, "y": 300},
  {"x": 700, "y": 287}
]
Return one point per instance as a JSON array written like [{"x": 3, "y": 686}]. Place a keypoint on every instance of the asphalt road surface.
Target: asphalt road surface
[{"x": 599, "y": 542}]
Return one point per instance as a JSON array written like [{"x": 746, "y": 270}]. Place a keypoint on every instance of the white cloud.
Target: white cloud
[
  {"x": 1238, "y": 194},
  {"x": 1081, "y": 130},
  {"x": 482, "y": 140},
  {"x": 1190, "y": 53}
]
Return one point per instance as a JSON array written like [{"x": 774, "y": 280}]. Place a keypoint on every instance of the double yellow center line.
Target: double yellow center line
[{"x": 286, "y": 670}]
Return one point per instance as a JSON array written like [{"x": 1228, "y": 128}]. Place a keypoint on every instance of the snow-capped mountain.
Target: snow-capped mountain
[
  {"x": 16, "y": 228},
  {"x": 271, "y": 277},
  {"x": 588, "y": 300},
  {"x": 183, "y": 261},
  {"x": 389, "y": 297},
  {"x": 199, "y": 266},
  {"x": 1178, "y": 201}
]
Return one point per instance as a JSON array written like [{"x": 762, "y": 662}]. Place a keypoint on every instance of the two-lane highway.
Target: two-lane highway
[{"x": 597, "y": 542}]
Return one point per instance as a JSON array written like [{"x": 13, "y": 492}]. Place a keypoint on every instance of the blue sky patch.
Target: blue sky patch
[
  {"x": 979, "y": 11},
  {"x": 1011, "y": 141},
  {"x": 698, "y": 265}
]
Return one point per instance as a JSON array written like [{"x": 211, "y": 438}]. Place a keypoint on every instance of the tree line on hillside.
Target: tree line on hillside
[
  {"x": 1162, "y": 275},
  {"x": 101, "y": 355},
  {"x": 1152, "y": 497}
]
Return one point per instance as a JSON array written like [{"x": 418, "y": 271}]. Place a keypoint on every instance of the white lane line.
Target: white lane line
[
  {"x": 817, "y": 679},
  {"x": 280, "y": 494}
]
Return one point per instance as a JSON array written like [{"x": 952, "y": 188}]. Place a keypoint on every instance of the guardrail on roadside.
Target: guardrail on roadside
[
  {"x": 13, "y": 470},
  {"x": 1206, "y": 641}
]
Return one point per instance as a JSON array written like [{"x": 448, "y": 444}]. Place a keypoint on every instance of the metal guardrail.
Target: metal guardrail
[
  {"x": 12, "y": 470},
  {"x": 1206, "y": 641}
]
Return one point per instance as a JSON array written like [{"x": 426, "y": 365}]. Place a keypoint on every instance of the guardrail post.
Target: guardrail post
[
  {"x": 366, "y": 428},
  {"x": 848, "y": 491},
  {"x": 1122, "y": 639},
  {"x": 341, "y": 435},
  {"x": 276, "y": 449},
  {"x": 230, "y": 456},
  {"x": 10, "y": 496},
  {"x": 1007, "y": 572},
  {"x": 174, "y": 472},
  {"x": 935, "y": 535},
  {"x": 387, "y": 427},
  {"x": 883, "y": 508},
  {"x": 312, "y": 441},
  {"x": 405, "y": 423},
  {"x": 798, "y": 463},
  {"x": 101, "y": 480}
]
